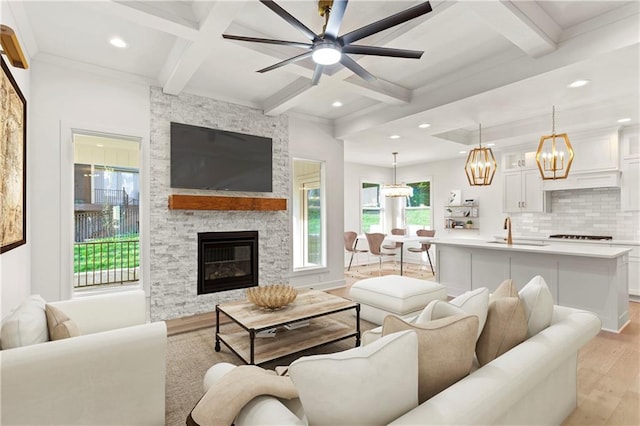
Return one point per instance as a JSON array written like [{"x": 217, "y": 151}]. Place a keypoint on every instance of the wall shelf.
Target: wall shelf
[
  {"x": 456, "y": 216},
  {"x": 204, "y": 202}
]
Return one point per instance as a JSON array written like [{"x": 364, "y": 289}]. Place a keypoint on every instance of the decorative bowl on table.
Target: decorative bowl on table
[{"x": 272, "y": 296}]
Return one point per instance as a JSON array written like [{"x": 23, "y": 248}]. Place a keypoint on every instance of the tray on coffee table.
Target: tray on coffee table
[{"x": 316, "y": 307}]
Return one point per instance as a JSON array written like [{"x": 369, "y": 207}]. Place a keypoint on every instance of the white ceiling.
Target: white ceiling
[{"x": 499, "y": 63}]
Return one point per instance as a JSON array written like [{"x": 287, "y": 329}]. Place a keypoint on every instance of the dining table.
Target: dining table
[{"x": 400, "y": 239}]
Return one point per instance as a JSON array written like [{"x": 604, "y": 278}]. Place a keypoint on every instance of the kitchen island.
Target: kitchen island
[{"x": 594, "y": 278}]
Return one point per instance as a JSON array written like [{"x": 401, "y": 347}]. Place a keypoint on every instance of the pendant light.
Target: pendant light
[
  {"x": 481, "y": 164},
  {"x": 555, "y": 153},
  {"x": 396, "y": 190}
]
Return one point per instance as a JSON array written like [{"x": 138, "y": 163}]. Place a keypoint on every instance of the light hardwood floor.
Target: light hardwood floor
[{"x": 608, "y": 367}]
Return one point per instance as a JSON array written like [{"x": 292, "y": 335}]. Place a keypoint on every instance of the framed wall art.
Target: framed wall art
[{"x": 13, "y": 162}]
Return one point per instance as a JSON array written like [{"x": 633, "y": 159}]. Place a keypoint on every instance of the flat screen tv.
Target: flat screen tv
[{"x": 204, "y": 158}]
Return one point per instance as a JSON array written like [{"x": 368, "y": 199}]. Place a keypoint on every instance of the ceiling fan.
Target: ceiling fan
[{"x": 327, "y": 48}]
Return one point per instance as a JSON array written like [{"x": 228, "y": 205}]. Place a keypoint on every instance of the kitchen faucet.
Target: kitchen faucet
[{"x": 507, "y": 225}]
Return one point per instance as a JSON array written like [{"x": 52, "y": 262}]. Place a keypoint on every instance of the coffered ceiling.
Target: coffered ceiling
[{"x": 499, "y": 63}]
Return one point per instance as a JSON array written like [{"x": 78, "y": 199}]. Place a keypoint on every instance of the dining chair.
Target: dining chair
[
  {"x": 424, "y": 247},
  {"x": 395, "y": 246},
  {"x": 375, "y": 240},
  {"x": 350, "y": 245}
]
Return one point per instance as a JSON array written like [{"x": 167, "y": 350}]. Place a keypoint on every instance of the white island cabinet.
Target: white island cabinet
[{"x": 585, "y": 277}]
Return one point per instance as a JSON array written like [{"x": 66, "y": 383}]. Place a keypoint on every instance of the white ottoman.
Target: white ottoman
[{"x": 394, "y": 295}]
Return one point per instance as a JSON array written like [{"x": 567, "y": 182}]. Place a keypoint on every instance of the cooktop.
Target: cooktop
[{"x": 581, "y": 237}]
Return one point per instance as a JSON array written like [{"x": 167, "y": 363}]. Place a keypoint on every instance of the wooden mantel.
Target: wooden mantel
[{"x": 204, "y": 202}]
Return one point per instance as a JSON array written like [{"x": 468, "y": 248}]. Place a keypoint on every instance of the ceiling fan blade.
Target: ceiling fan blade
[
  {"x": 290, "y": 19},
  {"x": 335, "y": 18},
  {"x": 357, "y": 69},
  {"x": 382, "y": 51},
  {"x": 388, "y": 22},
  {"x": 268, "y": 41},
  {"x": 286, "y": 62},
  {"x": 317, "y": 73}
]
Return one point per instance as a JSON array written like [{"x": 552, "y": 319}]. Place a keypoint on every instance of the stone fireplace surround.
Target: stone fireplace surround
[{"x": 174, "y": 233}]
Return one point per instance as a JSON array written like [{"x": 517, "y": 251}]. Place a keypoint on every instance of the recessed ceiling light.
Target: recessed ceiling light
[
  {"x": 624, "y": 120},
  {"x": 337, "y": 104},
  {"x": 578, "y": 83},
  {"x": 118, "y": 42},
  {"x": 424, "y": 125},
  {"x": 99, "y": 145},
  {"x": 490, "y": 144},
  {"x": 462, "y": 152},
  {"x": 394, "y": 137}
]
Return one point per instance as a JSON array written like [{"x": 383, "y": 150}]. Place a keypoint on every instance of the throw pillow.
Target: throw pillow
[
  {"x": 506, "y": 325},
  {"x": 59, "y": 324},
  {"x": 474, "y": 302},
  {"x": 506, "y": 289},
  {"x": 368, "y": 385},
  {"x": 445, "y": 350},
  {"x": 27, "y": 325},
  {"x": 538, "y": 304},
  {"x": 226, "y": 397}
]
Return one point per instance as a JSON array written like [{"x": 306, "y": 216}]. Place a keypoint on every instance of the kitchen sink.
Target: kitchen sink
[{"x": 521, "y": 243}]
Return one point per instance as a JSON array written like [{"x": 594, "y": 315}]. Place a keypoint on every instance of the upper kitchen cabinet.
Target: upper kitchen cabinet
[
  {"x": 518, "y": 161},
  {"x": 596, "y": 162},
  {"x": 630, "y": 167},
  {"x": 522, "y": 184},
  {"x": 595, "y": 151},
  {"x": 522, "y": 191}
]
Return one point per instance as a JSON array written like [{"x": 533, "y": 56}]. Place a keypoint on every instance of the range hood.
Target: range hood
[{"x": 606, "y": 179}]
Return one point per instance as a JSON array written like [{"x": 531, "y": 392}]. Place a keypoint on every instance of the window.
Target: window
[
  {"x": 372, "y": 212},
  {"x": 418, "y": 211},
  {"x": 308, "y": 215},
  {"x": 106, "y": 211}
]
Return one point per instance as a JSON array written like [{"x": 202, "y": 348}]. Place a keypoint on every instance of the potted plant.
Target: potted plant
[{"x": 469, "y": 224}]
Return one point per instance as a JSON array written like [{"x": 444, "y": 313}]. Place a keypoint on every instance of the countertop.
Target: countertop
[
  {"x": 604, "y": 251},
  {"x": 568, "y": 240}
]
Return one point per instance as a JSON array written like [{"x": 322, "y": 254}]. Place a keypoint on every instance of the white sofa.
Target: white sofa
[
  {"x": 533, "y": 383},
  {"x": 112, "y": 374}
]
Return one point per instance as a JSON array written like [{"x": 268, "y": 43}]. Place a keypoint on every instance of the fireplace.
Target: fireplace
[{"x": 227, "y": 261}]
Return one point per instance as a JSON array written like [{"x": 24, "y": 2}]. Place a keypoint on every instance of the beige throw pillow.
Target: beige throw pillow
[
  {"x": 506, "y": 325},
  {"x": 59, "y": 324},
  {"x": 445, "y": 350}
]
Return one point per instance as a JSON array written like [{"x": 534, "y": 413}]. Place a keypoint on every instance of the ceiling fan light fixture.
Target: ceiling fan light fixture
[{"x": 326, "y": 54}]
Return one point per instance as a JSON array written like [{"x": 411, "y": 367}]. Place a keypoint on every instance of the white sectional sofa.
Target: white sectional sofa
[
  {"x": 112, "y": 374},
  {"x": 533, "y": 383}
]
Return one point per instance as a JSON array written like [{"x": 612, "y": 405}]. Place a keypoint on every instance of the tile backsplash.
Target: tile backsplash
[{"x": 593, "y": 211}]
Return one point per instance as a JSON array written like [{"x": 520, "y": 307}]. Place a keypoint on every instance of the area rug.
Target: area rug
[{"x": 189, "y": 356}]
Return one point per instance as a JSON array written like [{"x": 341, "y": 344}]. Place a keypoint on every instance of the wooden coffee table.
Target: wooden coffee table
[{"x": 314, "y": 306}]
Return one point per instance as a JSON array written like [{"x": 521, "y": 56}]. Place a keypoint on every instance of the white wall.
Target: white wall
[
  {"x": 312, "y": 139},
  {"x": 15, "y": 264},
  {"x": 65, "y": 97}
]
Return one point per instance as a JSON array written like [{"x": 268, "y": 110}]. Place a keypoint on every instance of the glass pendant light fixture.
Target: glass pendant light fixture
[
  {"x": 396, "y": 190},
  {"x": 481, "y": 164},
  {"x": 555, "y": 153}
]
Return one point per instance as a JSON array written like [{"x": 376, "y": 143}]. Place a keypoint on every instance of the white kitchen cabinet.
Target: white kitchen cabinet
[
  {"x": 595, "y": 151},
  {"x": 634, "y": 268},
  {"x": 630, "y": 167},
  {"x": 518, "y": 161},
  {"x": 522, "y": 192},
  {"x": 629, "y": 185}
]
